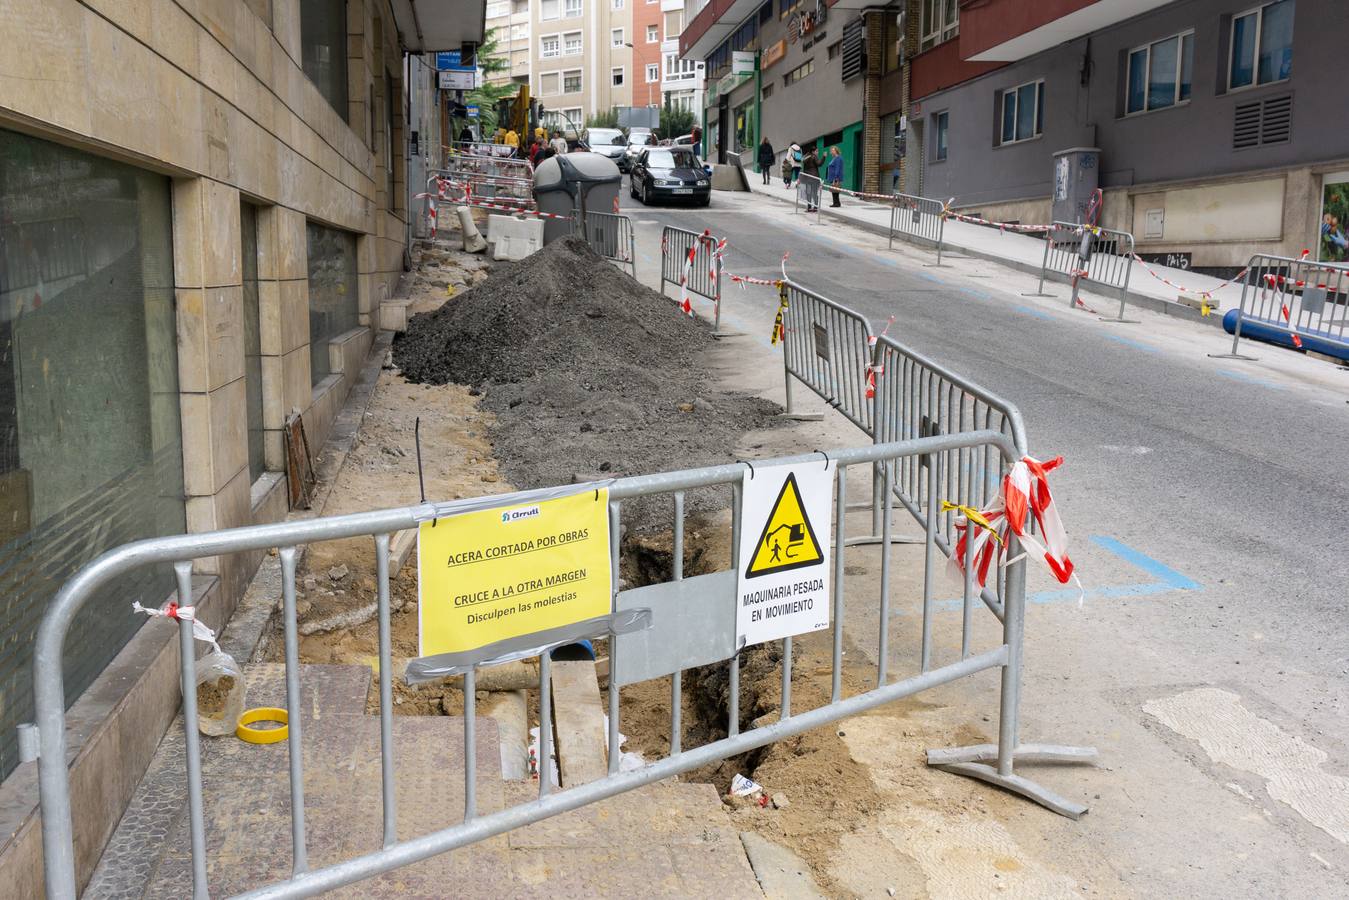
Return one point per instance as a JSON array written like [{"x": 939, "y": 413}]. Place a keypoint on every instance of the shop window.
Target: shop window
[
  {"x": 323, "y": 49},
  {"x": 1261, "y": 45},
  {"x": 939, "y": 123},
  {"x": 90, "y": 438},
  {"x": 332, "y": 292}
]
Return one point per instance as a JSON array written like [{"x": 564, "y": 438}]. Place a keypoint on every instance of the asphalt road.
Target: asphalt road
[{"x": 1204, "y": 498}]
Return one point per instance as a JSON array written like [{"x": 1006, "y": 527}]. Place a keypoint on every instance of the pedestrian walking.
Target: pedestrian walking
[
  {"x": 810, "y": 165},
  {"x": 795, "y": 154},
  {"x": 766, "y": 156},
  {"x": 833, "y": 174},
  {"x": 787, "y": 169},
  {"x": 558, "y": 143}
]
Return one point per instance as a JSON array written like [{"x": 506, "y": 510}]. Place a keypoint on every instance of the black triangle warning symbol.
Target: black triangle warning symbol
[{"x": 788, "y": 541}]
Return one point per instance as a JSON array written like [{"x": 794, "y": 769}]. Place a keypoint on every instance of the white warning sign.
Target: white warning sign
[{"x": 782, "y": 586}]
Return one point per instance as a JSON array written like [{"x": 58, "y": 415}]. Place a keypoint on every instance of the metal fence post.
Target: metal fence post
[{"x": 187, "y": 659}]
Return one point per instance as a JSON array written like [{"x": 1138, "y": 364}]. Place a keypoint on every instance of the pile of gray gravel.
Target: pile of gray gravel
[{"x": 590, "y": 373}]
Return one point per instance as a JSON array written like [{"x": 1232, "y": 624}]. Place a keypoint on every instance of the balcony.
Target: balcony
[
  {"x": 713, "y": 25},
  {"x": 438, "y": 24},
  {"x": 1008, "y": 30},
  {"x": 671, "y": 6}
]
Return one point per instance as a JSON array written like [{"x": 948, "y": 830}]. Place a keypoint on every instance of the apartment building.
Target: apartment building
[
  {"x": 1219, "y": 123},
  {"x": 582, "y": 59},
  {"x": 681, "y": 80},
  {"x": 201, "y": 206},
  {"x": 509, "y": 22}
]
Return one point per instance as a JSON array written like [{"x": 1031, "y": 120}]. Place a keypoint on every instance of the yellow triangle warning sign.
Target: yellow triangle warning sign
[{"x": 788, "y": 541}]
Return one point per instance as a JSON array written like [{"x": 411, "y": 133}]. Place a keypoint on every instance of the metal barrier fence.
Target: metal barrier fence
[
  {"x": 1099, "y": 255},
  {"x": 1300, "y": 298},
  {"x": 808, "y": 192},
  {"x": 918, "y": 217},
  {"x": 610, "y": 235},
  {"x": 702, "y": 276},
  {"x": 715, "y": 591},
  {"x": 827, "y": 347}
]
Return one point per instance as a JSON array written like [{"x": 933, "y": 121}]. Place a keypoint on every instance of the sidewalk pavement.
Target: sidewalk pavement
[{"x": 1024, "y": 252}]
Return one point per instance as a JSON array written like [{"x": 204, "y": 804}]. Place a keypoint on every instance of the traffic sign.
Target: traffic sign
[{"x": 783, "y": 583}]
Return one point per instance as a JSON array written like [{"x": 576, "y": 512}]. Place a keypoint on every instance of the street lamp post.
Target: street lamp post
[{"x": 641, "y": 63}]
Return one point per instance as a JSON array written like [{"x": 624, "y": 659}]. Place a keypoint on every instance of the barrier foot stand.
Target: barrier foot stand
[
  {"x": 802, "y": 417},
  {"x": 1119, "y": 320},
  {"x": 718, "y": 335},
  {"x": 972, "y": 763},
  {"x": 866, "y": 540},
  {"x": 1232, "y": 356},
  {"x": 1039, "y": 294}
]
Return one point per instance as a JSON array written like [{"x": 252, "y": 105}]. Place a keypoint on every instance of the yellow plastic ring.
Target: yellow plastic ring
[{"x": 263, "y": 735}]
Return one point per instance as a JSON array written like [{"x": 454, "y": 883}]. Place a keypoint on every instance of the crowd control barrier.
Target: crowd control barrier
[
  {"x": 698, "y": 275},
  {"x": 1301, "y": 299},
  {"x": 611, "y": 237},
  {"x": 1098, "y": 255},
  {"x": 690, "y": 619},
  {"x": 827, "y": 347},
  {"x": 919, "y": 218}
]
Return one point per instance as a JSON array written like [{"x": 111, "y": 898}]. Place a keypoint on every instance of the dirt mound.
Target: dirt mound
[{"x": 590, "y": 373}]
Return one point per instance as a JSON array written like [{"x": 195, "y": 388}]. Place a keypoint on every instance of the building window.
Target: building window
[
  {"x": 519, "y": 33},
  {"x": 548, "y": 9},
  {"x": 1160, "y": 74},
  {"x": 519, "y": 7},
  {"x": 652, "y": 73},
  {"x": 572, "y": 43},
  {"x": 618, "y": 4},
  {"x": 1262, "y": 45},
  {"x": 939, "y": 22},
  {"x": 90, "y": 438},
  {"x": 798, "y": 73},
  {"x": 248, "y": 240},
  {"x": 497, "y": 9},
  {"x": 652, "y": 34},
  {"x": 767, "y": 90},
  {"x": 939, "y": 123},
  {"x": 332, "y": 292},
  {"x": 548, "y": 83},
  {"x": 571, "y": 82},
  {"x": 835, "y": 49},
  {"x": 616, "y": 38},
  {"x": 766, "y": 13},
  {"x": 571, "y": 9},
  {"x": 323, "y": 49},
  {"x": 616, "y": 76},
  {"x": 746, "y": 37},
  {"x": 674, "y": 24},
  {"x": 787, "y": 7},
  {"x": 390, "y": 158},
  {"x": 550, "y": 46},
  {"x": 1022, "y": 112}
]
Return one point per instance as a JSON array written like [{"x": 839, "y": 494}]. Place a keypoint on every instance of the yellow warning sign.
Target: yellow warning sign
[
  {"x": 788, "y": 541},
  {"x": 493, "y": 574}
]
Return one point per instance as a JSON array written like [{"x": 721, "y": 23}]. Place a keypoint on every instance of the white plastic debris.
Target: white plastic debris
[{"x": 744, "y": 787}]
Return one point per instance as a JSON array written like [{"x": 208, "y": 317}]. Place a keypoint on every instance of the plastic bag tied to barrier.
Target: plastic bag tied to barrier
[{"x": 220, "y": 681}]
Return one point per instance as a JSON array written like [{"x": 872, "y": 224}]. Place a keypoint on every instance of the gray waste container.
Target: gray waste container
[
  {"x": 1077, "y": 174},
  {"x": 562, "y": 183}
]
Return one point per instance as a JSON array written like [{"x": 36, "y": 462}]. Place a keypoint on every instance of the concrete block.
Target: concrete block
[
  {"x": 219, "y": 69},
  {"x": 221, "y": 242},
  {"x": 123, "y": 101},
  {"x": 291, "y": 245},
  {"x": 231, "y": 507},
  {"x": 283, "y": 308},
  {"x": 393, "y": 314},
  {"x": 297, "y": 387},
  {"x": 514, "y": 238},
  {"x": 46, "y": 71}
]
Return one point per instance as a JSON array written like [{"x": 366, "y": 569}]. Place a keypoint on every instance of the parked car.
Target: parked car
[
  {"x": 638, "y": 140},
  {"x": 670, "y": 173},
  {"x": 610, "y": 142}
]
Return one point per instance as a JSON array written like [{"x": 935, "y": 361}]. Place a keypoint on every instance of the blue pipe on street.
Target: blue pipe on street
[{"x": 1257, "y": 329}]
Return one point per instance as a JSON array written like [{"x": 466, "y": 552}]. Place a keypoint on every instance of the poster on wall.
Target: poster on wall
[{"x": 1333, "y": 237}]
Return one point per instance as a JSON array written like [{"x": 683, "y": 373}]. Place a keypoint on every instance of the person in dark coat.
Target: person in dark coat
[
  {"x": 810, "y": 165},
  {"x": 766, "y": 157}
]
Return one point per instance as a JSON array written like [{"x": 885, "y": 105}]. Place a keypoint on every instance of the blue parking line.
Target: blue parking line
[
  {"x": 1032, "y": 311},
  {"x": 1249, "y": 379},
  {"x": 1130, "y": 342},
  {"x": 1165, "y": 580}
]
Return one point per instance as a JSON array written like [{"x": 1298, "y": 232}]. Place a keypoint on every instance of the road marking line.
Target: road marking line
[
  {"x": 1249, "y": 379},
  {"x": 1032, "y": 311},
  {"x": 1234, "y": 736},
  {"x": 1130, "y": 342}
]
